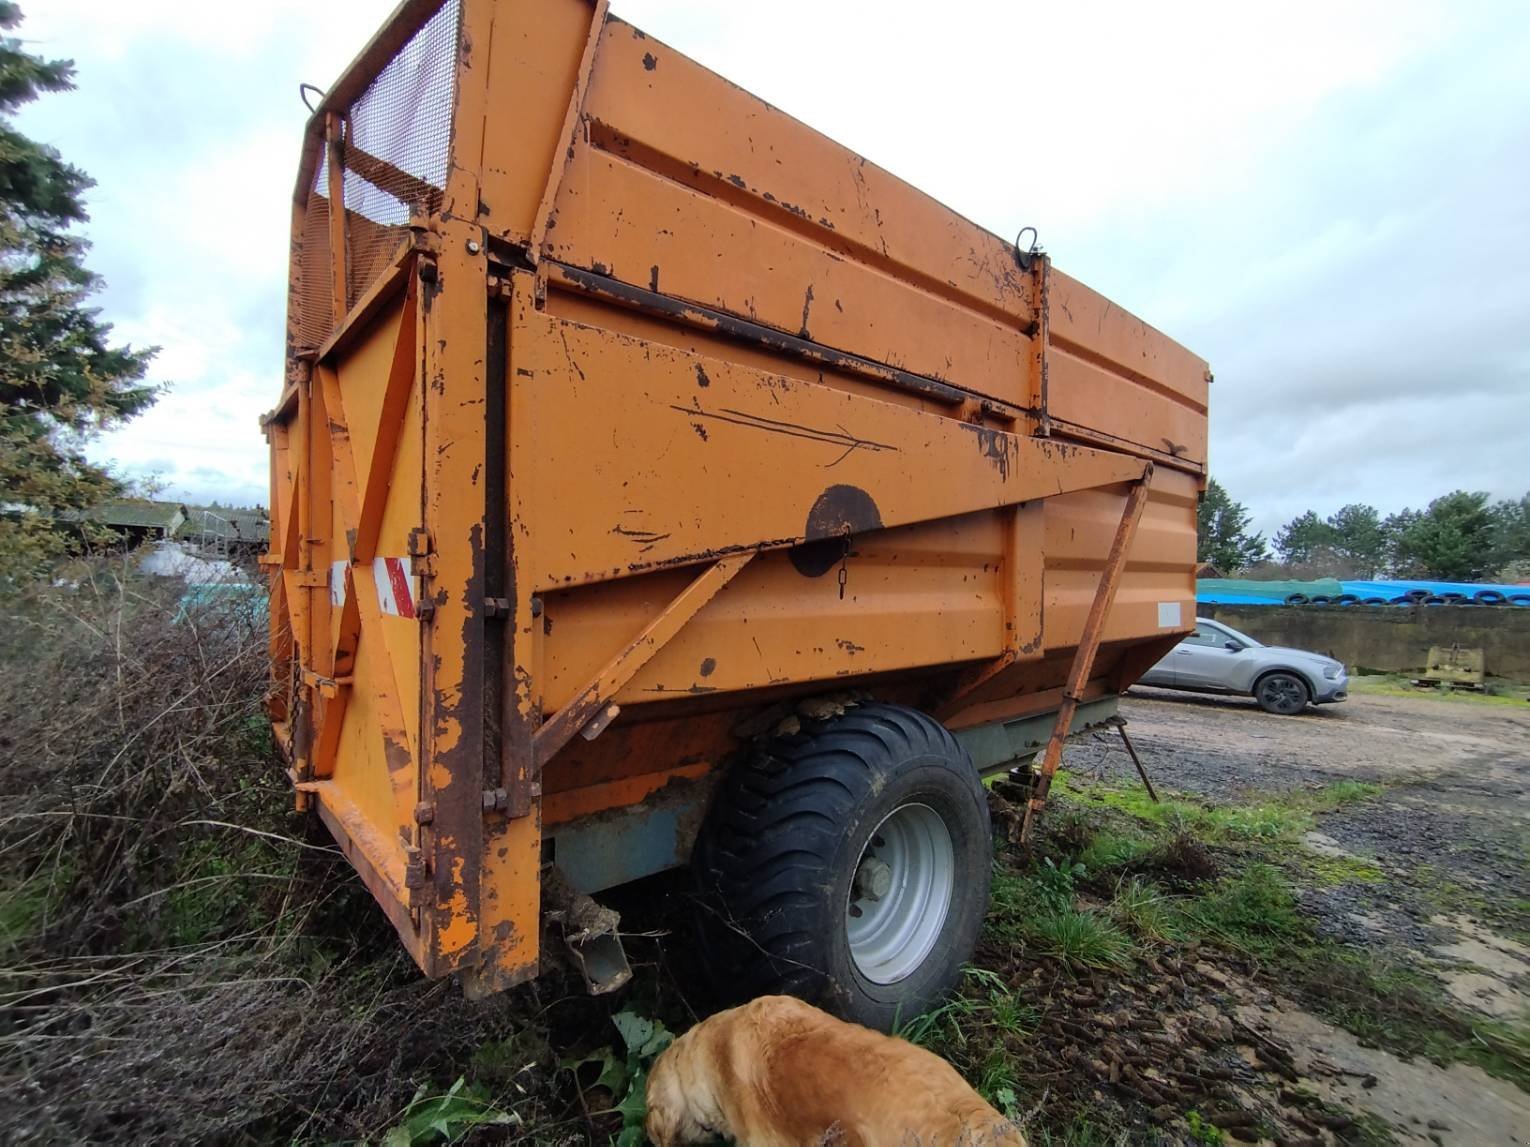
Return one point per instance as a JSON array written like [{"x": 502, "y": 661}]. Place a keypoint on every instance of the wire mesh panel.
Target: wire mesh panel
[
  {"x": 395, "y": 148},
  {"x": 396, "y": 142},
  {"x": 311, "y": 284}
]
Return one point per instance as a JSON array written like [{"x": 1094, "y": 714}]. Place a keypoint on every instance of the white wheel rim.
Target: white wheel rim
[{"x": 910, "y": 856}]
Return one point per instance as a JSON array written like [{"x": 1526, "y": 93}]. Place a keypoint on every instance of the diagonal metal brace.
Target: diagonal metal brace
[
  {"x": 590, "y": 702},
  {"x": 1088, "y": 646}
]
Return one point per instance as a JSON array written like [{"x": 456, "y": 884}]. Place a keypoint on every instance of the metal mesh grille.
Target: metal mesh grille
[
  {"x": 314, "y": 310},
  {"x": 396, "y": 144}
]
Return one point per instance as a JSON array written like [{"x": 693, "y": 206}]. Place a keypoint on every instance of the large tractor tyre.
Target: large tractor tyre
[{"x": 848, "y": 864}]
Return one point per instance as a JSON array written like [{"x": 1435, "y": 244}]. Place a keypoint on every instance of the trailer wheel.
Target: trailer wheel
[{"x": 848, "y": 864}]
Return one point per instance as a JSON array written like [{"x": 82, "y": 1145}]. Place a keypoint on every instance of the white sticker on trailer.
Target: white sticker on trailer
[
  {"x": 337, "y": 583},
  {"x": 1168, "y": 615}
]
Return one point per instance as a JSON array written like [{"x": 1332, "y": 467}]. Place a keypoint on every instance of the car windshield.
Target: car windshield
[{"x": 1243, "y": 637}]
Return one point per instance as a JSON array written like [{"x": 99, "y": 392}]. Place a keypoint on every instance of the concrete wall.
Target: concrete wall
[{"x": 1393, "y": 638}]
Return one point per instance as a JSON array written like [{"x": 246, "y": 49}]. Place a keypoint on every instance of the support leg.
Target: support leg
[{"x": 1120, "y": 724}]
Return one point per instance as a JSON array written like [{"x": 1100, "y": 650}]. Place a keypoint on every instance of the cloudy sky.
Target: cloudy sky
[{"x": 1330, "y": 202}]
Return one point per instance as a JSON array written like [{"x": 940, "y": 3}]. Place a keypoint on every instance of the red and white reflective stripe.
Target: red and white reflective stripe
[
  {"x": 395, "y": 586},
  {"x": 337, "y": 583}
]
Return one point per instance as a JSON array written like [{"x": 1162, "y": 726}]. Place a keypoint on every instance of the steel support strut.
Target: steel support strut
[
  {"x": 1088, "y": 646},
  {"x": 591, "y": 705}
]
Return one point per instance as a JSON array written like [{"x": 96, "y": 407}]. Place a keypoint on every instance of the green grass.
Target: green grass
[
  {"x": 220, "y": 889},
  {"x": 1267, "y": 817},
  {"x": 985, "y": 1011},
  {"x": 1253, "y": 911},
  {"x": 1336, "y": 795},
  {"x": 1149, "y": 912},
  {"x": 1202, "y": 1131},
  {"x": 1117, "y": 876},
  {"x": 1084, "y": 939},
  {"x": 1038, "y": 910},
  {"x": 1080, "y": 1131},
  {"x": 1114, "y": 849},
  {"x": 22, "y": 907},
  {"x": 1394, "y": 685},
  {"x": 1331, "y": 871}
]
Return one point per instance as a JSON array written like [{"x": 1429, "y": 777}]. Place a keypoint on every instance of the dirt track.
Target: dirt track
[{"x": 1448, "y": 838}]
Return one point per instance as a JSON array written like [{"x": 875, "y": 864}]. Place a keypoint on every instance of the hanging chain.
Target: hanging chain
[{"x": 844, "y": 569}]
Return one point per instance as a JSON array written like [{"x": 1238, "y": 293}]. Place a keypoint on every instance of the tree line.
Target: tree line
[{"x": 1460, "y": 536}]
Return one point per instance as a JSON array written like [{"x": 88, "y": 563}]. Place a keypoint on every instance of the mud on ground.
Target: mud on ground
[
  {"x": 1426, "y": 878},
  {"x": 1450, "y": 830}
]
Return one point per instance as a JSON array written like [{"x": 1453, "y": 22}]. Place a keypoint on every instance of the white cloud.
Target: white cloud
[{"x": 1325, "y": 200}]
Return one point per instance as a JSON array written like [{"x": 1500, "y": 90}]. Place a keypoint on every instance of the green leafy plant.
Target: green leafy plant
[
  {"x": 1005, "y": 1100},
  {"x": 445, "y": 1117},
  {"x": 1202, "y": 1131},
  {"x": 626, "y": 1077},
  {"x": 1054, "y": 883}
]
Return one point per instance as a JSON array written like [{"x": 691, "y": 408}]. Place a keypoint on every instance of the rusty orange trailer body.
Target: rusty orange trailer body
[{"x": 620, "y": 403}]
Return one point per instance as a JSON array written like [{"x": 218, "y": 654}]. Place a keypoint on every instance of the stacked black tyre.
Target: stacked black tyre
[{"x": 848, "y": 864}]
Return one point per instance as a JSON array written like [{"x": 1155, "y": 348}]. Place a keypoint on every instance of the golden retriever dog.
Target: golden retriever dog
[{"x": 778, "y": 1072}]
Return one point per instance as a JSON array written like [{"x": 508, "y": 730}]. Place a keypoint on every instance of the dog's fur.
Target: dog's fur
[{"x": 781, "y": 1072}]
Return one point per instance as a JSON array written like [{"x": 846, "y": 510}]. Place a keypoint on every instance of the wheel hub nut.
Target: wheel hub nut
[{"x": 873, "y": 879}]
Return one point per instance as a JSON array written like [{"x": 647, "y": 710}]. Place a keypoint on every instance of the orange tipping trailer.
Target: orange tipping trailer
[{"x": 648, "y": 463}]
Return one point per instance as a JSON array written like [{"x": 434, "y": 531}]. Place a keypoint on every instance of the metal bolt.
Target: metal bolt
[
  {"x": 873, "y": 879},
  {"x": 473, "y": 247}
]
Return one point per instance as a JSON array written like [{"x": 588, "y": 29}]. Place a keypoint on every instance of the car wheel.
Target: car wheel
[
  {"x": 1282, "y": 693},
  {"x": 848, "y": 864}
]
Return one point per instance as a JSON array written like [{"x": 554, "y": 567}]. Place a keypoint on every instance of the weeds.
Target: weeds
[
  {"x": 1086, "y": 939},
  {"x": 1111, "y": 849},
  {"x": 1201, "y": 1131},
  {"x": 1496, "y": 691},
  {"x": 1148, "y": 911},
  {"x": 1039, "y": 910},
  {"x": 1272, "y": 817},
  {"x": 1253, "y": 912},
  {"x": 1133, "y": 852},
  {"x": 446, "y": 1117},
  {"x": 176, "y": 961}
]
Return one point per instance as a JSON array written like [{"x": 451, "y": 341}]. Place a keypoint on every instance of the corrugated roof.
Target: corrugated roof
[
  {"x": 136, "y": 513},
  {"x": 245, "y": 525}
]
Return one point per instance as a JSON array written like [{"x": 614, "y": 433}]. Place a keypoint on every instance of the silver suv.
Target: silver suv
[{"x": 1218, "y": 659}]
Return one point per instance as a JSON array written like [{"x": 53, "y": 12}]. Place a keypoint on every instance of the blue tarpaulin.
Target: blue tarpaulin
[{"x": 1327, "y": 591}]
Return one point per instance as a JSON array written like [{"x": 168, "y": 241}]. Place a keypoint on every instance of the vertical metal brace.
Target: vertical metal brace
[
  {"x": 1088, "y": 646},
  {"x": 334, "y": 135}
]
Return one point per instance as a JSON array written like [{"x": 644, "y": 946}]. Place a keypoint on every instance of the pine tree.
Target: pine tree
[
  {"x": 1360, "y": 540},
  {"x": 61, "y": 380},
  {"x": 1225, "y": 539},
  {"x": 1304, "y": 538},
  {"x": 1452, "y": 540}
]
